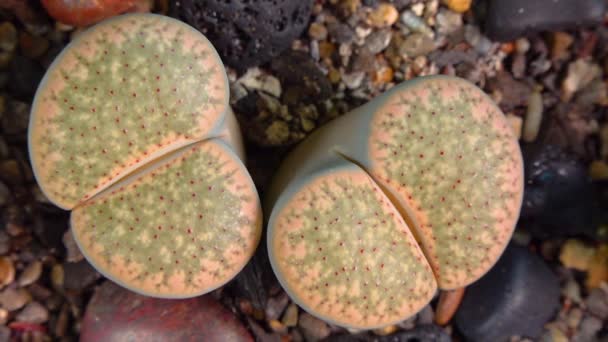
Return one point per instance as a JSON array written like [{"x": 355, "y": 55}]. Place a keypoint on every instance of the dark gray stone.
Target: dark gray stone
[
  {"x": 424, "y": 332},
  {"x": 509, "y": 19},
  {"x": 247, "y": 33},
  {"x": 78, "y": 276},
  {"x": 25, "y": 75},
  {"x": 558, "y": 193},
  {"x": 517, "y": 297},
  {"x": 341, "y": 33}
]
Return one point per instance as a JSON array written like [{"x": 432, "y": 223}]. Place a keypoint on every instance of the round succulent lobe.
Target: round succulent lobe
[
  {"x": 182, "y": 226},
  {"x": 346, "y": 254},
  {"x": 123, "y": 93},
  {"x": 449, "y": 156}
]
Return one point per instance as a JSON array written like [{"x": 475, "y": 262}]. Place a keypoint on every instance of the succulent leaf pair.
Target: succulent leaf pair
[
  {"x": 131, "y": 130},
  {"x": 418, "y": 189}
]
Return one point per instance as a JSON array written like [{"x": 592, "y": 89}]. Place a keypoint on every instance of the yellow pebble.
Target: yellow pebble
[
  {"x": 459, "y": 6},
  {"x": 384, "y": 15},
  {"x": 575, "y": 254},
  {"x": 598, "y": 170}
]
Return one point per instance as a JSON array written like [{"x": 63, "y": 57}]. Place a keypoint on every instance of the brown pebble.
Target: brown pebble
[
  {"x": 62, "y": 321},
  {"x": 383, "y": 75},
  {"x": 57, "y": 275},
  {"x": 31, "y": 274},
  {"x": 34, "y": 312},
  {"x": 277, "y": 326},
  {"x": 326, "y": 49},
  {"x": 32, "y": 46},
  {"x": 7, "y": 271},
  {"x": 384, "y": 15},
  {"x": 386, "y": 330},
  {"x": 290, "y": 317}
]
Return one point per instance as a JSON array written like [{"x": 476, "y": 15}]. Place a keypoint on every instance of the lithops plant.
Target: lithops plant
[
  {"x": 131, "y": 130},
  {"x": 417, "y": 190}
]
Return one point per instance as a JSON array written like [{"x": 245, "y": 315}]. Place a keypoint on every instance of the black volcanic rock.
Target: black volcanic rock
[{"x": 247, "y": 33}]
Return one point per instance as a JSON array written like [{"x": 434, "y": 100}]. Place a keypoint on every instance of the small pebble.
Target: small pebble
[
  {"x": 415, "y": 23},
  {"x": 30, "y": 274},
  {"x": 62, "y": 321},
  {"x": 575, "y": 254},
  {"x": 534, "y": 117},
  {"x": 72, "y": 250},
  {"x": 572, "y": 291},
  {"x": 383, "y": 75},
  {"x": 32, "y": 46},
  {"x": 408, "y": 324},
  {"x": 341, "y": 33},
  {"x": 597, "y": 301},
  {"x": 277, "y": 133},
  {"x": 5, "y": 242},
  {"x": 5, "y": 333},
  {"x": 313, "y": 328},
  {"x": 378, "y": 41},
  {"x": 516, "y": 123},
  {"x": 5, "y": 194},
  {"x": 574, "y": 318},
  {"x": 389, "y": 329},
  {"x": 425, "y": 316},
  {"x": 597, "y": 273},
  {"x": 8, "y": 42},
  {"x": 276, "y": 305},
  {"x": 334, "y": 76},
  {"x": 317, "y": 31},
  {"x": 561, "y": 42},
  {"x": 277, "y": 326},
  {"x": 290, "y": 317},
  {"x": 14, "y": 299},
  {"x": 448, "y": 22},
  {"x": 34, "y": 312},
  {"x": 580, "y": 73},
  {"x": 17, "y": 117},
  {"x": 78, "y": 276},
  {"x": 479, "y": 42},
  {"x": 57, "y": 277},
  {"x": 348, "y": 7},
  {"x": 459, "y": 6},
  {"x": 588, "y": 330},
  {"x": 256, "y": 79},
  {"x": 522, "y": 45},
  {"x": 3, "y": 317},
  {"x": 384, "y": 15},
  {"x": 326, "y": 49},
  {"x": 418, "y": 8},
  {"x": 518, "y": 67},
  {"x": 8, "y": 37},
  {"x": 363, "y": 31},
  {"x": 416, "y": 44},
  {"x": 7, "y": 271},
  {"x": 353, "y": 80}
]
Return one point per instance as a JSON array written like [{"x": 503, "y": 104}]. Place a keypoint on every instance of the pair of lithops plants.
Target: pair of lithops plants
[{"x": 131, "y": 130}]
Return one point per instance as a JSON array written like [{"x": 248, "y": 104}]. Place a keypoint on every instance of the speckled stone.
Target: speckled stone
[{"x": 247, "y": 33}]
